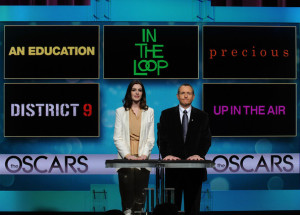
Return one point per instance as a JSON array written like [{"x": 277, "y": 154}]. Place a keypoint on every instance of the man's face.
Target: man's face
[{"x": 185, "y": 96}]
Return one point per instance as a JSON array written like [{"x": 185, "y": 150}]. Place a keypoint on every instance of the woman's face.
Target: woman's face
[{"x": 136, "y": 92}]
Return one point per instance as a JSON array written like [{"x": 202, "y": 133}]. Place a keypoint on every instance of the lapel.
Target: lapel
[
  {"x": 178, "y": 124},
  {"x": 143, "y": 126},
  {"x": 178, "y": 120},
  {"x": 126, "y": 122},
  {"x": 191, "y": 124}
]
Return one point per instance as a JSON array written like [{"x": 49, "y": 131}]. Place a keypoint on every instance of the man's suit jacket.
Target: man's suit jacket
[
  {"x": 122, "y": 134},
  {"x": 198, "y": 138}
]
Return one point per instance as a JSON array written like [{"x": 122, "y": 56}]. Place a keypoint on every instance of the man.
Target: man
[{"x": 185, "y": 135}]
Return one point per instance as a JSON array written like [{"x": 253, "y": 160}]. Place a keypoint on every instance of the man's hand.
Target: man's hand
[
  {"x": 195, "y": 158},
  {"x": 131, "y": 157},
  {"x": 142, "y": 157},
  {"x": 171, "y": 158}
]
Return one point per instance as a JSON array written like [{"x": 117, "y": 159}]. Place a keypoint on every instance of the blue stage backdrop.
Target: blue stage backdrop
[{"x": 161, "y": 94}]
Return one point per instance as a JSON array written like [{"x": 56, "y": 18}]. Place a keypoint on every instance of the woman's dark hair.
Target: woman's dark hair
[{"x": 127, "y": 101}]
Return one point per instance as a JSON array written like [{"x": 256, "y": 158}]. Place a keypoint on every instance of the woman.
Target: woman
[{"x": 134, "y": 139}]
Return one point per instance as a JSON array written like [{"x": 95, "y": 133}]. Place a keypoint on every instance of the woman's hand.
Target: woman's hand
[
  {"x": 131, "y": 157},
  {"x": 142, "y": 157}
]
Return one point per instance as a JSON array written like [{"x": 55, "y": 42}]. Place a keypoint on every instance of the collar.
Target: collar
[{"x": 189, "y": 109}]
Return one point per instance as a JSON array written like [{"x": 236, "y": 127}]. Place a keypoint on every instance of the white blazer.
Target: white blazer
[{"x": 122, "y": 134}]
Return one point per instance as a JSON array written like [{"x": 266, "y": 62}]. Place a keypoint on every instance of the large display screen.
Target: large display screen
[{"x": 63, "y": 76}]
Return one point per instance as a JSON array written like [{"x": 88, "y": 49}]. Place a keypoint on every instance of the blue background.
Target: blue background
[{"x": 278, "y": 192}]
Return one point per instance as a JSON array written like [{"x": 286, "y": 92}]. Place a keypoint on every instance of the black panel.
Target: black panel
[
  {"x": 176, "y": 53},
  {"x": 51, "y": 110},
  {"x": 251, "y": 109},
  {"x": 249, "y": 52},
  {"x": 72, "y": 52}
]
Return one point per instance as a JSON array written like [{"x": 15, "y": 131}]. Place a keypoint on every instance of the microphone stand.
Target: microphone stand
[{"x": 159, "y": 172}]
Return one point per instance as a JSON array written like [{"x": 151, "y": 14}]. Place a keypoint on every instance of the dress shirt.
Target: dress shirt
[{"x": 181, "y": 109}]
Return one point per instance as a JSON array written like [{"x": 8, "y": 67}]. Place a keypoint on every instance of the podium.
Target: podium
[{"x": 160, "y": 166}]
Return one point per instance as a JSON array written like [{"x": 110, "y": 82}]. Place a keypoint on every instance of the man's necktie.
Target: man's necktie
[{"x": 185, "y": 123}]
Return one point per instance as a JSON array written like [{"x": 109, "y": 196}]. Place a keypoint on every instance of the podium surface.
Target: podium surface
[{"x": 122, "y": 163}]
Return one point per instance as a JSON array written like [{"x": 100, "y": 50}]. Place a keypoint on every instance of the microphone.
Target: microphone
[{"x": 158, "y": 141}]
